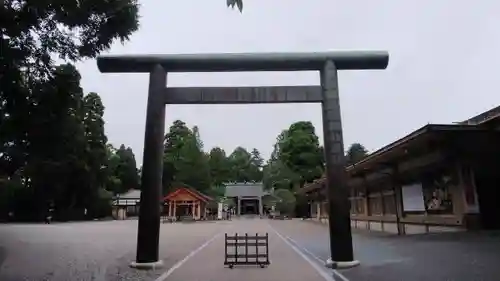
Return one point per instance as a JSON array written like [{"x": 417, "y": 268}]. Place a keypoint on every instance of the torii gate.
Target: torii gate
[{"x": 327, "y": 63}]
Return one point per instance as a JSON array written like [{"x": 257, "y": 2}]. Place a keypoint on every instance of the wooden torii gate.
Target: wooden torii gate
[{"x": 327, "y": 63}]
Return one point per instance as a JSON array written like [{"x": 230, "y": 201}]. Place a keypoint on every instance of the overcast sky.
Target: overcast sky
[{"x": 444, "y": 58}]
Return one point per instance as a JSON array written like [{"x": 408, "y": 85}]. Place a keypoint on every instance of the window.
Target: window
[
  {"x": 357, "y": 202},
  {"x": 389, "y": 201},
  {"x": 359, "y": 205},
  {"x": 375, "y": 204}
]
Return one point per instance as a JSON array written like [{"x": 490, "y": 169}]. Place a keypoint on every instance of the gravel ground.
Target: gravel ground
[
  {"x": 286, "y": 264},
  {"x": 103, "y": 250},
  {"x": 385, "y": 257},
  {"x": 91, "y": 250}
]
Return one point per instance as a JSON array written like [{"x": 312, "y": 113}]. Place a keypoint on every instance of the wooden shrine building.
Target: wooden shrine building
[
  {"x": 186, "y": 202},
  {"x": 438, "y": 178},
  {"x": 126, "y": 205}
]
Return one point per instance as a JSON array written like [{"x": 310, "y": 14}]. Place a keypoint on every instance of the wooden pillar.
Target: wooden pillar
[
  {"x": 195, "y": 209},
  {"x": 318, "y": 210},
  {"x": 148, "y": 230},
  {"x": 169, "y": 208},
  {"x": 457, "y": 191},
  {"x": 398, "y": 197},
  {"x": 199, "y": 209},
  {"x": 366, "y": 197},
  {"x": 174, "y": 206}
]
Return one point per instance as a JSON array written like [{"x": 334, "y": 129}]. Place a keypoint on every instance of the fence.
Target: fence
[{"x": 242, "y": 247}]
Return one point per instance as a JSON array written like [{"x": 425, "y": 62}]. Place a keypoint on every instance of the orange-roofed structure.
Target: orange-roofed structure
[{"x": 185, "y": 201}]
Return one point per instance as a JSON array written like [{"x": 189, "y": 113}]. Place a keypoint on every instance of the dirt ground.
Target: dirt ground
[{"x": 103, "y": 251}]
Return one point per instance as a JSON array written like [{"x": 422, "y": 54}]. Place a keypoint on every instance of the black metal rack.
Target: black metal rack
[{"x": 256, "y": 242}]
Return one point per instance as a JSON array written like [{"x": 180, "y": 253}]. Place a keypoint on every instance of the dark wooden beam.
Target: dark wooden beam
[
  {"x": 243, "y": 95},
  {"x": 344, "y": 60}
]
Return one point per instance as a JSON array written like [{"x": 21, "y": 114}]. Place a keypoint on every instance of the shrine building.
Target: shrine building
[
  {"x": 186, "y": 202},
  {"x": 441, "y": 177}
]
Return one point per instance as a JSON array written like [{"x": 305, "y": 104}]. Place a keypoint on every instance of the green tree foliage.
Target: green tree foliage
[
  {"x": 184, "y": 160},
  {"x": 96, "y": 152},
  {"x": 33, "y": 32},
  {"x": 197, "y": 137},
  {"x": 220, "y": 170},
  {"x": 296, "y": 159},
  {"x": 279, "y": 176},
  {"x": 52, "y": 169},
  {"x": 245, "y": 166},
  {"x": 51, "y": 137},
  {"x": 286, "y": 202},
  {"x": 275, "y": 154},
  {"x": 299, "y": 150},
  {"x": 355, "y": 153},
  {"x": 66, "y": 154},
  {"x": 71, "y": 29},
  {"x": 256, "y": 159},
  {"x": 113, "y": 183},
  {"x": 126, "y": 170}
]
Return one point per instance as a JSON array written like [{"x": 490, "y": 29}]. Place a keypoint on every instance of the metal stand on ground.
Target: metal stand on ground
[{"x": 248, "y": 242}]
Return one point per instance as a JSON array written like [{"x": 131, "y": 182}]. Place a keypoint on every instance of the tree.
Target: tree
[
  {"x": 256, "y": 165},
  {"x": 126, "y": 170},
  {"x": 219, "y": 166},
  {"x": 57, "y": 119},
  {"x": 256, "y": 160},
  {"x": 32, "y": 33},
  {"x": 43, "y": 135},
  {"x": 300, "y": 151},
  {"x": 96, "y": 154},
  {"x": 184, "y": 160},
  {"x": 35, "y": 31},
  {"x": 70, "y": 29},
  {"x": 113, "y": 183},
  {"x": 286, "y": 202},
  {"x": 276, "y": 175},
  {"x": 174, "y": 140},
  {"x": 196, "y": 135},
  {"x": 275, "y": 154},
  {"x": 355, "y": 153},
  {"x": 243, "y": 167}
]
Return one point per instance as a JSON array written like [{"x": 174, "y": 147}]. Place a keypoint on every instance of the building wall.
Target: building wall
[{"x": 378, "y": 205}]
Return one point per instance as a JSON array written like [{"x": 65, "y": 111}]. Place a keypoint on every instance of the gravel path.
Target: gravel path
[
  {"x": 286, "y": 264},
  {"x": 90, "y": 250},
  {"x": 386, "y": 257}
]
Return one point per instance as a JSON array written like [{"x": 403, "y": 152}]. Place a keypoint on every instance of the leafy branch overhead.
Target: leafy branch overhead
[{"x": 235, "y": 3}]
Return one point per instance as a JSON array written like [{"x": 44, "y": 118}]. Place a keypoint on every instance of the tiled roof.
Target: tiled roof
[
  {"x": 190, "y": 190},
  {"x": 483, "y": 117},
  {"x": 131, "y": 194},
  {"x": 244, "y": 189}
]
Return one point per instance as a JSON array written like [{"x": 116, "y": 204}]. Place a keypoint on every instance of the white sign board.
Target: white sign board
[
  {"x": 220, "y": 206},
  {"x": 413, "y": 198}
]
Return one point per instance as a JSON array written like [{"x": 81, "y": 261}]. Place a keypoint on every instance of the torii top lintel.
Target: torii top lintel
[{"x": 232, "y": 62}]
